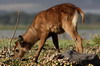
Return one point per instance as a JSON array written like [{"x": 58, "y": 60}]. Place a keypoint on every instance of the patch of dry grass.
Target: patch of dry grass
[{"x": 47, "y": 52}]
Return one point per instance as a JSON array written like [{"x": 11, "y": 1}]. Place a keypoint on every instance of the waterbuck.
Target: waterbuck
[{"x": 48, "y": 23}]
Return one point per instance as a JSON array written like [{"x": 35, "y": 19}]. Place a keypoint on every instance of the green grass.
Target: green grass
[
  {"x": 6, "y": 43},
  {"x": 11, "y": 27},
  {"x": 85, "y": 26},
  {"x": 90, "y": 46},
  {"x": 62, "y": 43}
]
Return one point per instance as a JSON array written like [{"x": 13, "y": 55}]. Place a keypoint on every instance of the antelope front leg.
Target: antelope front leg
[
  {"x": 79, "y": 46},
  {"x": 40, "y": 45},
  {"x": 55, "y": 41}
]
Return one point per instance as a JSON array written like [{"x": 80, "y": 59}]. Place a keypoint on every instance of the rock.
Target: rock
[{"x": 81, "y": 59}]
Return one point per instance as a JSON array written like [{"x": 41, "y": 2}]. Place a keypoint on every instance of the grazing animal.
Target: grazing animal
[{"x": 48, "y": 23}]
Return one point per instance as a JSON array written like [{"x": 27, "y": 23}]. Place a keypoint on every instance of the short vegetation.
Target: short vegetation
[{"x": 45, "y": 58}]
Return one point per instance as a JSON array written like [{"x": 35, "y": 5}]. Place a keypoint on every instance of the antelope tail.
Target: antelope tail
[{"x": 82, "y": 14}]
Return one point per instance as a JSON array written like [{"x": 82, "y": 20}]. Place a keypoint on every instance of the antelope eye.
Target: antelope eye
[{"x": 17, "y": 50}]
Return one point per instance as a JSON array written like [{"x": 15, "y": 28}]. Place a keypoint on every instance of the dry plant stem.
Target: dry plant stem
[{"x": 17, "y": 22}]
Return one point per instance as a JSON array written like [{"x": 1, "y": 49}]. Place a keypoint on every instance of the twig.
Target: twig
[{"x": 17, "y": 22}]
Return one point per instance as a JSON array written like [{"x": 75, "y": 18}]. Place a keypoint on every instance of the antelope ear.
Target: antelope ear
[
  {"x": 16, "y": 44},
  {"x": 20, "y": 38}
]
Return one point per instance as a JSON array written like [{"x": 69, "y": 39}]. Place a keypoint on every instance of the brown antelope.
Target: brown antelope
[{"x": 48, "y": 23}]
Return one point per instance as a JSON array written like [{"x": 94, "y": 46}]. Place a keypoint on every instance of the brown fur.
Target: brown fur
[{"x": 53, "y": 21}]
